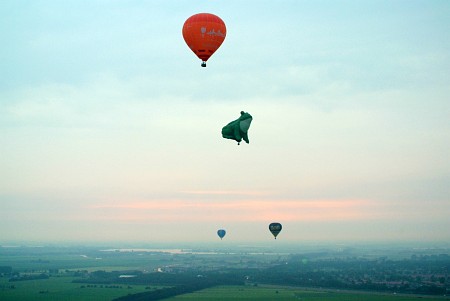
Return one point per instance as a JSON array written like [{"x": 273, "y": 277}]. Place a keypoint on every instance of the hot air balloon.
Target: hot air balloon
[
  {"x": 204, "y": 33},
  {"x": 275, "y": 228},
  {"x": 238, "y": 129},
  {"x": 221, "y": 233}
]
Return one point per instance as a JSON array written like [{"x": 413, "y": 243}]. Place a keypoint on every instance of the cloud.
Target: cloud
[{"x": 225, "y": 192}]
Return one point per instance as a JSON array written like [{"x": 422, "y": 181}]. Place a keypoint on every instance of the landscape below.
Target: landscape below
[{"x": 228, "y": 272}]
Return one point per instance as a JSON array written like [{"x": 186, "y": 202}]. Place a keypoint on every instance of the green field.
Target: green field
[
  {"x": 62, "y": 289},
  {"x": 233, "y": 293}
]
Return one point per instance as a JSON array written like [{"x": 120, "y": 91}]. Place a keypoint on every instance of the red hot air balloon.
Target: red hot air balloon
[{"x": 204, "y": 33}]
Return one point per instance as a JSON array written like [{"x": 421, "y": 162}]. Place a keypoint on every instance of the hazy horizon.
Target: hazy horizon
[
  {"x": 110, "y": 129},
  {"x": 216, "y": 242}
]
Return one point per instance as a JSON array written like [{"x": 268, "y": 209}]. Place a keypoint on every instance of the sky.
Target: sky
[{"x": 111, "y": 131}]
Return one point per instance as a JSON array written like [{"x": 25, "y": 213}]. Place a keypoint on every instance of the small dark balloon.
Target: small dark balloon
[{"x": 275, "y": 229}]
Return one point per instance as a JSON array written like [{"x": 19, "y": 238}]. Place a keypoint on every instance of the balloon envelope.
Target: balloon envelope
[
  {"x": 221, "y": 233},
  {"x": 204, "y": 33},
  {"x": 238, "y": 129},
  {"x": 275, "y": 228}
]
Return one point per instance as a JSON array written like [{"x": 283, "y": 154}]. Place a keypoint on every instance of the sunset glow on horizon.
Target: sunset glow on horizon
[{"x": 237, "y": 211}]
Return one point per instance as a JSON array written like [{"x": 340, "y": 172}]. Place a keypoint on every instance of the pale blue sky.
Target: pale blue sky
[{"x": 110, "y": 129}]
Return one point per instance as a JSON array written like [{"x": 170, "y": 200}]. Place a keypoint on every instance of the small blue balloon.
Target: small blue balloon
[{"x": 221, "y": 233}]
